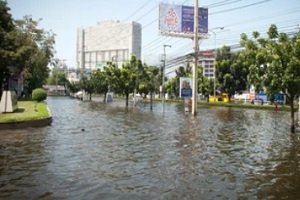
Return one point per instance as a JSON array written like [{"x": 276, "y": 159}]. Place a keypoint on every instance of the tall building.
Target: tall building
[{"x": 108, "y": 41}]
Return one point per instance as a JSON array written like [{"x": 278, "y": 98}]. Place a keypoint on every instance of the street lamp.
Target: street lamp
[
  {"x": 163, "y": 81},
  {"x": 215, "y": 56}
]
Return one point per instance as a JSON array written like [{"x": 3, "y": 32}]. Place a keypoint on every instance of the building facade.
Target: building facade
[
  {"x": 108, "y": 41},
  {"x": 206, "y": 59}
]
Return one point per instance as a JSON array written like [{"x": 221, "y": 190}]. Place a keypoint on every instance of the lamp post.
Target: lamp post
[
  {"x": 215, "y": 56},
  {"x": 163, "y": 79},
  {"x": 66, "y": 67}
]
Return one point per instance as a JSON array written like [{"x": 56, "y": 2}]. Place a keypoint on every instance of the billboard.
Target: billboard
[
  {"x": 185, "y": 87},
  {"x": 178, "y": 18}
]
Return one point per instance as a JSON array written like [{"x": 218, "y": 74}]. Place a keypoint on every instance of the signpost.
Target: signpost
[
  {"x": 178, "y": 19},
  {"x": 186, "y": 22},
  {"x": 186, "y": 91}
]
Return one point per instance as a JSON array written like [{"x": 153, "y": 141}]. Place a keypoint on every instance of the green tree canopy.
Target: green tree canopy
[
  {"x": 231, "y": 73},
  {"x": 274, "y": 64},
  {"x": 36, "y": 49},
  {"x": 24, "y": 49},
  {"x": 7, "y": 46},
  {"x": 57, "y": 77}
]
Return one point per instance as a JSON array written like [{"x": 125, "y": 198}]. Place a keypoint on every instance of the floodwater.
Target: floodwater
[{"x": 95, "y": 150}]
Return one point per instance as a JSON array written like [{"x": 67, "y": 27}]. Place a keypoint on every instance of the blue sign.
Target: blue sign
[
  {"x": 186, "y": 87},
  {"x": 187, "y": 21},
  {"x": 186, "y": 93}
]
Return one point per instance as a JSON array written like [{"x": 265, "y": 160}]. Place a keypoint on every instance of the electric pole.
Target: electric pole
[
  {"x": 163, "y": 81},
  {"x": 195, "y": 70}
]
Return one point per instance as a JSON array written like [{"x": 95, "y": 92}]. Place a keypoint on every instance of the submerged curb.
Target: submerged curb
[{"x": 28, "y": 123}]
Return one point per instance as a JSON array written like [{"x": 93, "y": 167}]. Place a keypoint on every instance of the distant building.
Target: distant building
[
  {"x": 205, "y": 59},
  {"x": 55, "y": 90},
  {"x": 108, "y": 41}
]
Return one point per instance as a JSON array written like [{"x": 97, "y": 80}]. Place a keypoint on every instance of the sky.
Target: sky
[{"x": 63, "y": 17}]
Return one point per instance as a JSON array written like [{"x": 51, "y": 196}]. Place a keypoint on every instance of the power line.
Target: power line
[
  {"x": 139, "y": 9},
  {"x": 240, "y": 7}
]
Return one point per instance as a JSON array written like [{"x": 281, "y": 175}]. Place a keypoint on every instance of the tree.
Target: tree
[
  {"x": 57, "y": 77},
  {"x": 151, "y": 80},
  {"x": 276, "y": 65},
  {"x": 140, "y": 74},
  {"x": 87, "y": 85},
  {"x": 148, "y": 80},
  {"x": 230, "y": 72},
  {"x": 100, "y": 82},
  {"x": 34, "y": 53},
  {"x": 172, "y": 87},
  {"x": 6, "y": 44},
  {"x": 180, "y": 72},
  {"x": 125, "y": 79},
  {"x": 205, "y": 85},
  {"x": 74, "y": 87},
  {"x": 112, "y": 78},
  {"x": 184, "y": 71}
]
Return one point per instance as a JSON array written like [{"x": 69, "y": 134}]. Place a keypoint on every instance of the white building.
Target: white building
[{"x": 108, "y": 41}]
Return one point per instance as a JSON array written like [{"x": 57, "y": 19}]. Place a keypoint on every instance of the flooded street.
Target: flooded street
[{"x": 95, "y": 150}]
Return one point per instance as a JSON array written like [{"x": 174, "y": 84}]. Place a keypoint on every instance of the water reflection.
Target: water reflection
[{"x": 95, "y": 150}]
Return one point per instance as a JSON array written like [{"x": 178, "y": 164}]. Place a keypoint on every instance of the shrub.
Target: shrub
[{"x": 39, "y": 94}]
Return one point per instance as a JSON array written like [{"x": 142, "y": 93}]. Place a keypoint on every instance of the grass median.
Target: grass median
[{"x": 27, "y": 110}]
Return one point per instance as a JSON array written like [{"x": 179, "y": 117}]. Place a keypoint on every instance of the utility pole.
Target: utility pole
[
  {"x": 65, "y": 67},
  {"x": 163, "y": 81},
  {"x": 215, "y": 57},
  {"x": 195, "y": 70}
]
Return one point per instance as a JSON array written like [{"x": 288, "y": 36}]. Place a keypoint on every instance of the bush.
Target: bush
[{"x": 39, "y": 94}]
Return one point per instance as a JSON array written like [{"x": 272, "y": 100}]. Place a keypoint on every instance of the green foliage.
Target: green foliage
[
  {"x": 57, "y": 77},
  {"x": 24, "y": 49},
  {"x": 87, "y": 85},
  {"x": 172, "y": 86},
  {"x": 39, "y": 94},
  {"x": 231, "y": 71},
  {"x": 274, "y": 64},
  {"x": 74, "y": 87},
  {"x": 34, "y": 53},
  {"x": 99, "y": 82},
  {"x": 6, "y": 42},
  {"x": 149, "y": 80}
]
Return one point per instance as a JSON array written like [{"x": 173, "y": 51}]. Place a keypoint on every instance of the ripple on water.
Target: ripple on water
[{"x": 96, "y": 150}]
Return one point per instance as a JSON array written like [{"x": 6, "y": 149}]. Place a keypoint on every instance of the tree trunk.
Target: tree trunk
[
  {"x": 292, "y": 116},
  {"x": 127, "y": 96},
  {"x": 104, "y": 100},
  {"x": 151, "y": 101}
]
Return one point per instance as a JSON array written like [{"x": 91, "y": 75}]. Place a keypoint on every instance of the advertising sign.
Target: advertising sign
[
  {"x": 179, "y": 18},
  {"x": 185, "y": 87}
]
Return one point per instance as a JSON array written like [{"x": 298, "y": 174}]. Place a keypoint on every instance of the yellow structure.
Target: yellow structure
[{"x": 223, "y": 97}]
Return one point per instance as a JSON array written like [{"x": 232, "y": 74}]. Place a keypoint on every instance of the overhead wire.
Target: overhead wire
[
  {"x": 237, "y": 8},
  {"x": 153, "y": 45},
  {"x": 109, "y": 37},
  {"x": 230, "y": 2}
]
